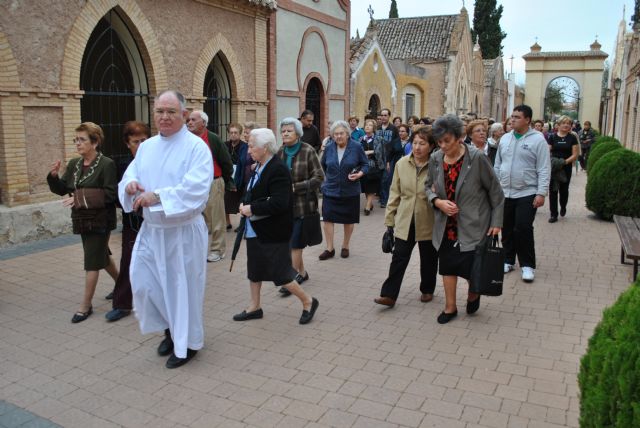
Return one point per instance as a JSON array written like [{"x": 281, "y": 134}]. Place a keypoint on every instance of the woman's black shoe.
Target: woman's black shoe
[
  {"x": 473, "y": 306},
  {"x": 553, "y": 219},
  {"x": 444, "y": 317},
  {"x": 284, "y": 292},
  {"x": 81, "y": 316},
  {"x": 245, "y": 316},
  {"x": 307, "y": 316}
]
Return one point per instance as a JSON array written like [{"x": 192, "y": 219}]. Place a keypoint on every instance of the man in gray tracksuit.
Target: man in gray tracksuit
[{"x": 523, "y": 168}]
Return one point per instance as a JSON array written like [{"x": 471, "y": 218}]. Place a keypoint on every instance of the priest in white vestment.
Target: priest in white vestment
[{"x": 170, "y": 179}]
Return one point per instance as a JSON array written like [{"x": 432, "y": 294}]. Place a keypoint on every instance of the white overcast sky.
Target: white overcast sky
[{"x": 559, "y": 25}]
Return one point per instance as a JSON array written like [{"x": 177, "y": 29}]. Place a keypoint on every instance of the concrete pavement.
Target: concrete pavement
[{"x": 513, "y": 364}]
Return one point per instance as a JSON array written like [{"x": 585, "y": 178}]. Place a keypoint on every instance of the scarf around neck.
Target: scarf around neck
[{"x": 291, "y": 151}]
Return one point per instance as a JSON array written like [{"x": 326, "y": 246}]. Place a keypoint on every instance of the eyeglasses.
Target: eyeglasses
[
  {"x": 138, "y": 141},
  {"x": 169, "y": 112},
  {"x": 78, "y": 140}
]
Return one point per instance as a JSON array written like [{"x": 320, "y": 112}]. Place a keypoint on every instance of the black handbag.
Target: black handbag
[
  {"x": 388, "y": 240},
  {"x": 311, "y": 233},
  {"x": 487, "y": 271}
]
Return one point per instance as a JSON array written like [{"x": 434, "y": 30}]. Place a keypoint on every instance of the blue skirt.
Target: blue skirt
[{"x": 341, "y": 210}]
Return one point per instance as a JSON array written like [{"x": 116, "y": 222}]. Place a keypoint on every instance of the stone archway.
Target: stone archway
[
  {"x": 219, "y": 44},
  {"x": 141, "y": 30},
  {"x": 562, "y": 97},
  {"x": 584, "y": 67}
]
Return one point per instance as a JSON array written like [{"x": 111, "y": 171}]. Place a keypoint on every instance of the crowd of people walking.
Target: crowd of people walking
[{"x": 445, "y": 185}]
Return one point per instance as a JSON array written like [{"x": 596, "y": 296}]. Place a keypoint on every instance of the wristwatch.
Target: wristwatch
[{"x": 157, "y": 195}]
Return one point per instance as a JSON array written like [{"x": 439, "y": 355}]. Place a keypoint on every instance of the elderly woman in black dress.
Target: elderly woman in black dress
[
  {"x": 468, "y": 204},
  {"x": 268, "y": 209},
  {"x": 238, "y": 151},
  {"x": 306, "y": 175},
  {"x": 91, "y": 183}
]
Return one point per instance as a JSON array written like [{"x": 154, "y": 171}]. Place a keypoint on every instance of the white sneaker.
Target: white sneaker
[
  {"x": 528, "y": 274},
  {"x": 508, "y": 268},
  {"x": 214, "y": 257}
]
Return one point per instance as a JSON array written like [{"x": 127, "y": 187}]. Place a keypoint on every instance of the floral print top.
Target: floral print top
[{"x": 451, "y": 174}]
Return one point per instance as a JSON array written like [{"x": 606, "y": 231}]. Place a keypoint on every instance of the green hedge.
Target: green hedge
[
  {"x": 600, "y": 149},
  {"x": 613, "y": 186},
  {"x": 609, "y": 375}
]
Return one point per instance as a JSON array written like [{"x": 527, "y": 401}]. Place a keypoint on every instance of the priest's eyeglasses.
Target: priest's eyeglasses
[{"x": 169, "y": 112}]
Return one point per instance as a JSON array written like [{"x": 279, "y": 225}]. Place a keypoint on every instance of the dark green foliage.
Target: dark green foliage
[
  {"x": 553, "y": 99},
  {"x": 486, "y": 26},
  {"x": 600, "y": 148},
  {"x": 609, "y": 375},
  {"x": 613, "y": 186},
  {"x": 393, "y": 11}
]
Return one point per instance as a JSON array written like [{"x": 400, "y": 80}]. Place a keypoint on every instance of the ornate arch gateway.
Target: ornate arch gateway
[{"x": 577, "y": 75}]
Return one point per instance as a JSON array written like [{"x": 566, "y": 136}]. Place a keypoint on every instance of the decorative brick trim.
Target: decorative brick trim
[
  {"x": 219, "y": 44},
  {"x": 144, "y": 34},
  {"x": 326, "y": 85},
  {"x": 299, "y": 9},
  {"x": 8, "y": 66}
]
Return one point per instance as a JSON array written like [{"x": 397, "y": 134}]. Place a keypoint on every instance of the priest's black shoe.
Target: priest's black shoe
[
  {"x": 166, "y": 346},
  {"x": 174, "y": 362},
  {"x": 307, "y": 316},
  {"x": 245, "y": 316}
]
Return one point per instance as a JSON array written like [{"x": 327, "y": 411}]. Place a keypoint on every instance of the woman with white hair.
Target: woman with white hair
[
  {"x": 267, "y": 206},
  {"x": 344, "y": 163},
  {"x": 306, "y": 175}
]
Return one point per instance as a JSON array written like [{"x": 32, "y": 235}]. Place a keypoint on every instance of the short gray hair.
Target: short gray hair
[
  {"x": 204, "y": 116},
  {"x": 494, "y": 128},
  {"x": 447, "y": 124},
  {"x": 250, "y": 125},
  {"x": 339, "y": 124},
  {"x": 264, "y": 137},
  {"x": 181, "y": 99},
  {"x": 297, "y": 125}
]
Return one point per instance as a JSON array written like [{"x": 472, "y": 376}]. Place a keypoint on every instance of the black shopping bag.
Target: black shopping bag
[{"x": 487, "y": 272}]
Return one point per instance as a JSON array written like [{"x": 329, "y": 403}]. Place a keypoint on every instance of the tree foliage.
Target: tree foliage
[
  {"x": 486, "y": 26},
  {"x": 393, "y": 11},
  {"x": 553, "y": 100}
]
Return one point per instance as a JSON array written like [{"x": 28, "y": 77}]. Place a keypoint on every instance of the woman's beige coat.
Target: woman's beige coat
[{"x": 408, "y": 201}]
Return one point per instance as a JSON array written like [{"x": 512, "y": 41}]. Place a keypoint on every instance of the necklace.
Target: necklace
[
  {"x": 453, "y": 159},
  {"x": 76, "y": 174}
]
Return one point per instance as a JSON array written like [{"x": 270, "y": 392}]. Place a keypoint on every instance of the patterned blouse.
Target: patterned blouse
[{"x": 451, "y": 174}]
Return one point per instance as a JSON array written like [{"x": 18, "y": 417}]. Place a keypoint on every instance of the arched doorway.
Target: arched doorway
[
  {"x": 374, "y": 106},
  {"x": 217, "y": 90},
  {"x": 313, "y": 101},
  {"x": 562, "y": 97},
  {"x": 114, "y": 79}
]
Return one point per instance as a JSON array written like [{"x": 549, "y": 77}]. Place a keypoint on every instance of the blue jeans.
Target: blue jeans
[{"x": 385, "y": 183}]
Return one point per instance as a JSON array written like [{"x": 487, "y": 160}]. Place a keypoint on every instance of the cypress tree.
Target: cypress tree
[
  {"x": 486, "y": 26},
  {"x": 393, "y": 11}
]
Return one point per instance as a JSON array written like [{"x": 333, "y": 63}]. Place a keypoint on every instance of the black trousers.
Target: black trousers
[
  {"x": 400, "y": 260},
  {"x": 122, "y": 296},
  {"x": 517, "y": 231},
  {"x": 563, "y": 191}
]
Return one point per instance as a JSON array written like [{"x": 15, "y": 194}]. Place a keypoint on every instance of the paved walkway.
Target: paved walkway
[{"x": 513, "y": 364}]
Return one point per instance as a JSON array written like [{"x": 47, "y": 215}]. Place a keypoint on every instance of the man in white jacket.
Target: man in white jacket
[
  {"x": 170, "y": 179},
  {"x": 523, "y": 168}
]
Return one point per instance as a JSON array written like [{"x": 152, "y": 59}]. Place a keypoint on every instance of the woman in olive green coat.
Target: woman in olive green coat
[
  {"x": 411, "y": 217},
  {"x": 90, "y": 181}
]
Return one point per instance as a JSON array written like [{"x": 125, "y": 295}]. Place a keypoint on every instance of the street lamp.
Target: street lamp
[{"x": 617, "y": 84}]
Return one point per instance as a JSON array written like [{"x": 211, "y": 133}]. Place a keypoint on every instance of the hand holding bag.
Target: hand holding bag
[
  {"x": 388, "y": 240},
  {"x": 311, "y": 233},
  {"x": 487, "y": 271}
]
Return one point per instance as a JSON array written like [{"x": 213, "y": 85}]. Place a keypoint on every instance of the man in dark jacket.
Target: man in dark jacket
[
  {"x": 310, "y": 134},
  {"x": 393, "y": 152},
  {"x": 222, "y": 170}
]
